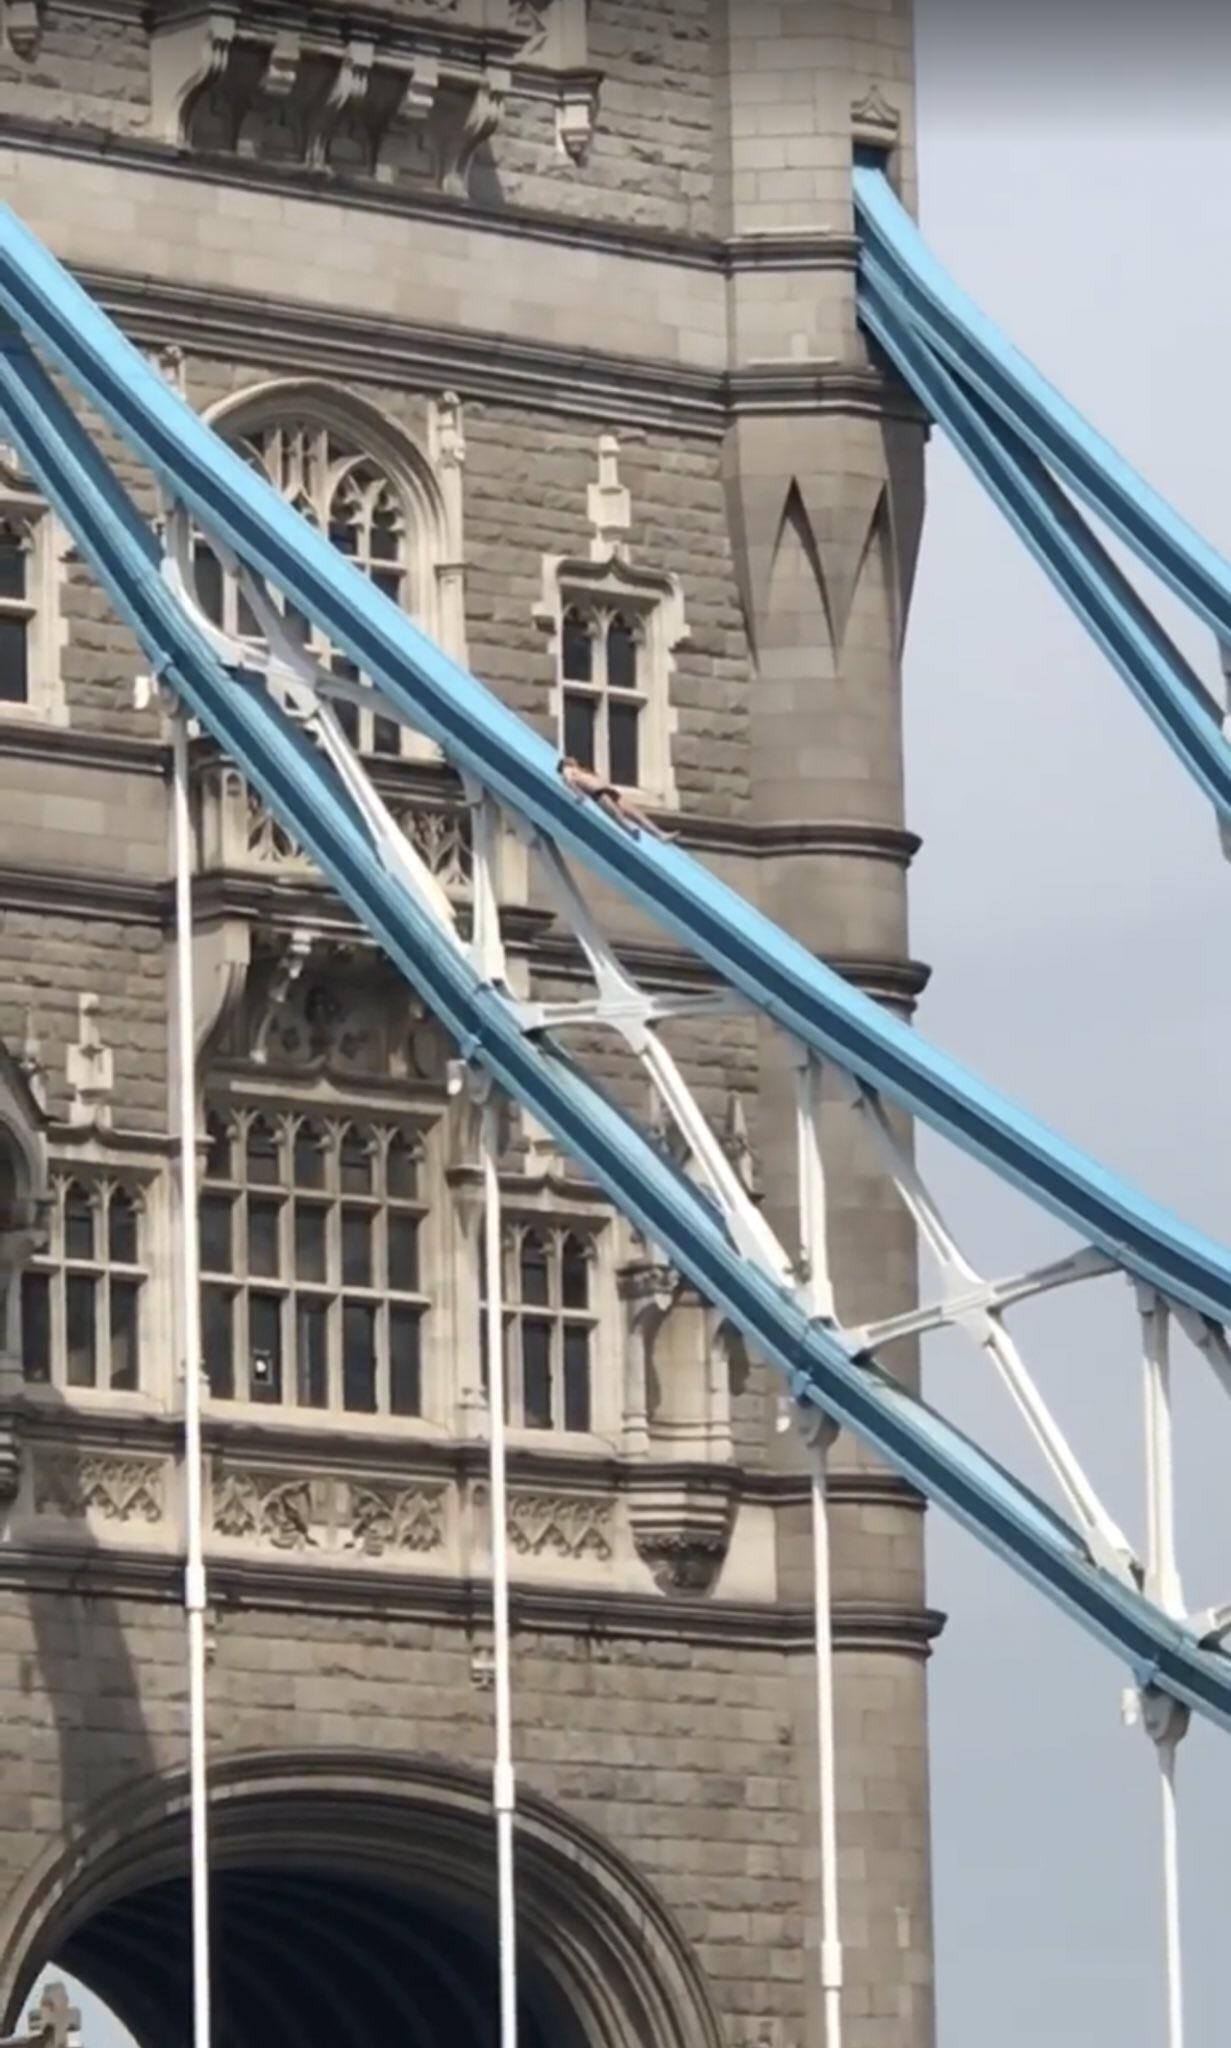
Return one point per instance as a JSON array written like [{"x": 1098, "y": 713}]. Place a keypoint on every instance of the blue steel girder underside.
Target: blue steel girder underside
[{"x": 519, "y": 772}]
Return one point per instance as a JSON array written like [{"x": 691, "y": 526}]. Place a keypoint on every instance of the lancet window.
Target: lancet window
[
  {"x": 83, "y": 1300},
  {"x": 549, "y": 1324},
  {"x": 312, "y": 1289}
]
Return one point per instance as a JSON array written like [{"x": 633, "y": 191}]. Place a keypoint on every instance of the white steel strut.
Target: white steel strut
[{"x": 967, "y": 1301}]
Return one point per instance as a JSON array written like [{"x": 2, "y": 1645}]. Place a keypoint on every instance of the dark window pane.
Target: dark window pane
[
  {"x": 263, "y": 1249},
  {"x": 218, "y": 1157},
  {"x": 359, "y": 1358},
  {"x": 218, "y": 1341},
  {"x": 402, "y": 1169},
  {"x": 623, "y": 735},
  {"x": 577, "y": 650},
  {"x": 312, "y": 1353},
  {"x": 247, "y": 624},
  {"x": 343, "y": 536},
  {"x": 536, "y": 1374},
  {"x": 356, "y": 1164},
  {"x": 532, "y": 1271},
  {"x": 215, "y": 1233},
  {"x": 579, "y": 729},
  {"x": 79, "y": 1299},
  {"x": 12, "y": 564},
  {"x": 264, "y": 1347},
  {"x": 386, "y": 736},
  {"x": 309, "y": 1156},
  {"x": 310, "y": 1242},
  {"x": 403, "y": 1254},
  {"x": 348, "y": 718},
  {"x": 576, "y": 1377},
  {"x": 621, "y": 656},
  {"x": 385, "y": 541},
  {"x": 78, "y": 1224},
  {"x": 356, "y": 1248},
  {"x": 209, "y": 582},
  {"x": 122, "y": 1229},
  {"x": 14, "y": 666},
  {"x": 263, "y": 1153},
  {"x": 404, "y": 1370},
  {"x": 125, "y": 1296},
  {"x": 389, "y": 581},
  {"x": 36, "y": 1326},
  {"x": 574, "y": 1274}
]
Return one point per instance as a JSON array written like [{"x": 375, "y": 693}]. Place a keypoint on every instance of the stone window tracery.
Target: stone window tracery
[
  {"x": 549, "y": 1324},
  {"x": 83, "y": 1299},
  {"x": 31, "y": 549},
  {"x": 363, "y": 484},
  {"x": 312, "y": 1293}
]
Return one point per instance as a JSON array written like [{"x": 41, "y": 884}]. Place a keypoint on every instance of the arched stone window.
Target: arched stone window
[
  {"x": 390, "y": 508},
  {"x": 32, "y": 545}
]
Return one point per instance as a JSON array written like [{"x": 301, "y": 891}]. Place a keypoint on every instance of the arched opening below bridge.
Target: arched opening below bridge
[{"x": 353, "y": 1903}]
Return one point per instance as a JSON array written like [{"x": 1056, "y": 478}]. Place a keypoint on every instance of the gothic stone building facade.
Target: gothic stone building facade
[{"x": 544, "y": 311}]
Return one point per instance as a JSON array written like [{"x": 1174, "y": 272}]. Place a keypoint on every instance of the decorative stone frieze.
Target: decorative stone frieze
[
  {"x": 395, "y": 1519},
  {"x": 332, "y": 1513},
  {"x": 410, "y": 99},
  {"x": 560, "y": 1525},
  {"x": 74, "y": 1485}
]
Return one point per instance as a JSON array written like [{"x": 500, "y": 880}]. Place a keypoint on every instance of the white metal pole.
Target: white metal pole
[
  {"x": 827, "y": 1777},
  {"x": 814, "y": 1239},
  {"x": 194, "y": 1569},
  {"x": 503, "y": 1781},
  {"x": 1165, "y": 1719}
]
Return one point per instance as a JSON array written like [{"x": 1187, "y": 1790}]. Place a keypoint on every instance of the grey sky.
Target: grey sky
[{"x": 1074, "y": 904}]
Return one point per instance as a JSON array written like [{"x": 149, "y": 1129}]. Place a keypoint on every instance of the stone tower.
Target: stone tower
[{"x": 545, "y": 312}]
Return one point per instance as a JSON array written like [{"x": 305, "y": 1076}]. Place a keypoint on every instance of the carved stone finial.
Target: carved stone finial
[
  {"x": 89, "y": 1068},
  {"x": 53, "y": 2022},
  {"x": 446, "y": 432},
  {"x": 31, "y": 1063},
  {"x": 169, "y": 363},
  {"x": 609, "y": 505}
]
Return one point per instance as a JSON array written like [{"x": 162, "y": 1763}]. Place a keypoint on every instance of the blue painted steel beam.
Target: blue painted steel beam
[
  {"x": 1049, "y": 523},
  {"x": 305, "y": 795},
  {"x": 483, "y": 738},
  {"x": 955, "y": 327}
]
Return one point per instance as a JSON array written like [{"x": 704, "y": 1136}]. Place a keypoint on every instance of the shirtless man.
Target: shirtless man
[{"x": 608, "y": 797}]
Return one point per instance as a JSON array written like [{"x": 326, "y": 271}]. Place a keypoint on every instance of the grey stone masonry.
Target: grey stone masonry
[{"x": 547, "y": 311}]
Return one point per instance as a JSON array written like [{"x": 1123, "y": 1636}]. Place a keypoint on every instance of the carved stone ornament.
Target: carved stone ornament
[
  {"x": 682, "y": 1528},
  {"x": 23, "y": 27},
  {"x": 572, "y": 1526},
  {"x": 395, "y": 1518},
  {"x": 316, "y": 1008},
  {"x": 411, "y": 99},
  {"x": 74, "y": 1485},
  {"x": 874, "y": 121},
  {"x": 269, "y": 1507}
]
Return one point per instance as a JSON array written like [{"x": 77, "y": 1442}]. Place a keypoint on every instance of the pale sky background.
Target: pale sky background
[{"x": 1073, "y": 901}]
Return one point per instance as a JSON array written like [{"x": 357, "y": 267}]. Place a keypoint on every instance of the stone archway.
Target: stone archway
[{"x": 353, "y": 1903}]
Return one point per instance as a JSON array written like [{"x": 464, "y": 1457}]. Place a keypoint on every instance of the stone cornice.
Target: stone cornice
[
  {"x": 292, "y": 335},
  {"x": 21, "y": 740},
  {"x": 239, "y": 1584},
  {"x": 788, "y": 838},
  {"x": 302, "y": 1446},
  {"x": 255, "y": 900}
]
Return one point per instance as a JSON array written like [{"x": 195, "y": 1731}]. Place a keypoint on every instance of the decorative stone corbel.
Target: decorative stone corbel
[
  {"x": 281, "y": 972},
  {"x": 23, "y": 26},
  {"x": 576, "y": 112},
  {"x": 351, "y": 84},
  {"x": 187, "y": 58},
  {"x": 681, "y": 1526},
  {"x": 480, "y": 122},
  {"x": 282, "y": 65}
]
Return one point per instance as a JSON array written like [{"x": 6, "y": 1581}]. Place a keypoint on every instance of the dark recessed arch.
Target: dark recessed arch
[{"x": 354, "y": 1901}]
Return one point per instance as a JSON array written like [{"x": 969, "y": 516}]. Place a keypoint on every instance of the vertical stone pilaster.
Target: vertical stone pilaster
[{"x": 823, "y": 475}]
